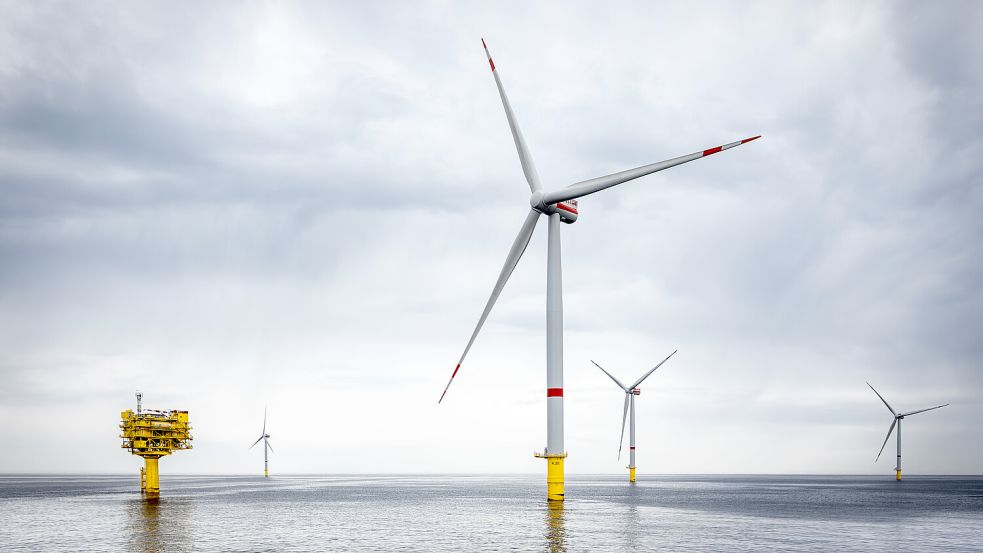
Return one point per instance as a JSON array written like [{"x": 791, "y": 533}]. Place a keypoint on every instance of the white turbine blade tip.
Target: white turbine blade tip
[
  {"x": 923, "y": 410},
  {"x": 886, "y": 404},
  {"x": 611, "y": 376},
  {"x": 646, "y": 375},
  {"x": 886, "y": 438}
]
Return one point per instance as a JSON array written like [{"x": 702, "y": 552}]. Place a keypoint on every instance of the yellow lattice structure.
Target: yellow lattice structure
[{"x": 153, "y": 434}]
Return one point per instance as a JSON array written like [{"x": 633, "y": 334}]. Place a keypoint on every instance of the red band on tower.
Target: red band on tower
[{"x": 554, "y": 392}]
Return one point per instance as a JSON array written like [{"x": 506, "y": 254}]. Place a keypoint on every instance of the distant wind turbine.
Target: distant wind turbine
[
  {"x": 559, "y": 206},
  {"x": 897, "y": 421},
  {"x": 630, "y": 393},
  {"x": 266, "y": 447}
]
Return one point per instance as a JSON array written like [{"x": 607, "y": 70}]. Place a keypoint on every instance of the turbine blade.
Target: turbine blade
[
  {"x": 515, "y": 253},
  {"x": 884, "y": 400},
  {"x": 922, "y": 410},
  {"x": 611, "y": 376},
  {"x": 264, "y": 420},
  {"x": 646, "y": 375},
  {"x": 581, "y": 189},
  {"x": 525, "y": 158},
  {"x": 624, "y": 417},
  {"x": 256, "y": 442},
  {"x": 886, "y": 438},
  {"x": 269, "y": 446}
]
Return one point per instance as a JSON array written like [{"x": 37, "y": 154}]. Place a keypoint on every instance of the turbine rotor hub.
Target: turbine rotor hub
[{"x": 567, "y": 209}]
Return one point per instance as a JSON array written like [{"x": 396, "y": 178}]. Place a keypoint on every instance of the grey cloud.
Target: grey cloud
[{"x": 278, "y": 201}]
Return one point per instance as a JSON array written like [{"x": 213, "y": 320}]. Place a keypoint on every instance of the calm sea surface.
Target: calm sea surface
[{"x": 495, "y": 513}]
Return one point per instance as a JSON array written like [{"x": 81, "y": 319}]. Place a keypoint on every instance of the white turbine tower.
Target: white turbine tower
[
  {"x": 897, "y": 421},
  {"x": 558, "y": 206},
  {"x": 630, "y": 393},
  {"x": 266, "y": 447}
]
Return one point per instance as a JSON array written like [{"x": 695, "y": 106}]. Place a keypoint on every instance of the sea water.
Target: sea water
[{"x": 491, "y": 513}]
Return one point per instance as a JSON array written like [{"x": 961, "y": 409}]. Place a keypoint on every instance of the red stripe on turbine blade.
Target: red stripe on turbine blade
[
  {"x": 712, "y": 150},
  {"x": 746, "y": 140},
  {"x": 457, "y": 368},
  {"x": 554, "y": 392},
  {"x": 491, "y": 63},
  {"x": 483, "y": 44}
]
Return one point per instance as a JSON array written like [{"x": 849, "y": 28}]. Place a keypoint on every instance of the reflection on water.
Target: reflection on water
[
  {"x": 632, "y": 520},
  {"x": 555, "y": 531},
  {"x": 156, "y": 524},
  {"x": 632, "y": 524},
  {"x": 105, "y": 514},
  {"x": 148, "y": 539}
]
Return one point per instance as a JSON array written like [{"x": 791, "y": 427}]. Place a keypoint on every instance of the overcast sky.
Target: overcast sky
[{"x": 305, "y": 206}]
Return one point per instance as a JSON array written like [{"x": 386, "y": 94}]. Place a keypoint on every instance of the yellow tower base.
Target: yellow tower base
[
  {"x": 554, "y": 478},
  {"x": 631, "y": 474},
  {"x": 897, "y": 475},
  {"x": 266, "y": 473},
  {"x": 150, "y": 477},
  {"x": 554, "y": 475}
]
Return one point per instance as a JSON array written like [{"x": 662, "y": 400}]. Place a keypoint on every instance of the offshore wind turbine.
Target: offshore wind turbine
[
  {"x": 267, "y": 448},
  {"x": 559, "y": 206},
  {"x": 897, "y": 421},
  {"x": 630, "y": 393}
]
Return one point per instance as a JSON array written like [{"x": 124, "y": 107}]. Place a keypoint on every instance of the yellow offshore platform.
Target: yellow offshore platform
[{"x": 152, "y": 434}]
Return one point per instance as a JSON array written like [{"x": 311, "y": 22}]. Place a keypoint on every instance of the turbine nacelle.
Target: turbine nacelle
[{"x": 567, "y": 209}]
